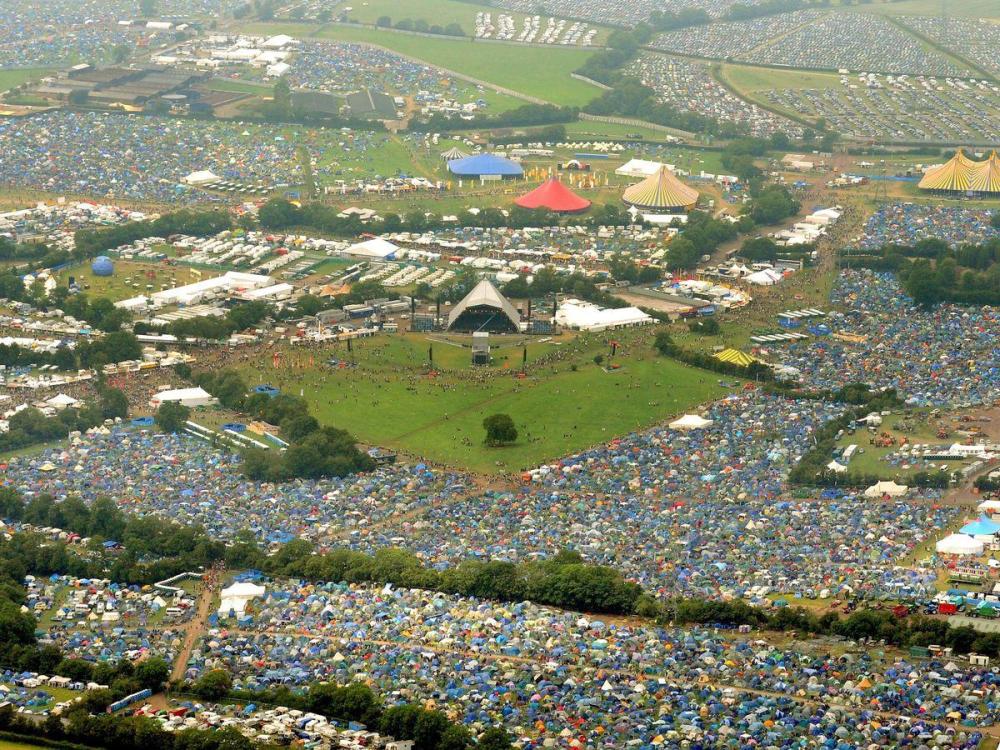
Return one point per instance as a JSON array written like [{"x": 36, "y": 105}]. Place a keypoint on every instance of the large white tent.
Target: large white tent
[
  {"x": 641, "y": 168},
  {"x": 890, "y": 489},
  {"x": 373, "y": 248},
  {"x": 690, "y": 422},
  {"x": 190, "y": 397},
  {"x": 579, "y": 315},
  {"x": 959, "y": 544},
  {"x": 236, "y": 597}
]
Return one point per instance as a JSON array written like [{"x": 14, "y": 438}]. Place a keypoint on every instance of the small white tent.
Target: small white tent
[
  {"x": 959, "y": 544},
  {"x": 886, "y": 488},
  {"x": 690, "y": 422}
]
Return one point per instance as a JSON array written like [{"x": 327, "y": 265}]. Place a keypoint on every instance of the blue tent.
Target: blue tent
[
  {"x": 485, "y": 164},
  {"x": 981, "y": 527},
  {"x": 102, "y": 266}
]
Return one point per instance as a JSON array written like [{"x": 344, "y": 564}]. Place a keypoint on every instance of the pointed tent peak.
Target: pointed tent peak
[
  {"x": 484, "y": 294},
  {"x": 661, "y": 190},
  {"x": 554, "y": 195}
]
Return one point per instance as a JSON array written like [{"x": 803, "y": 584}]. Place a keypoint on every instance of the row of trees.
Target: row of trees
[
  {"x": 877, "y": 624},
  {"x": 279, "y": 214},
  {"x": 525, "y": 115},
  {"x": 92, "y": 242},
  {"x": 564, "y": 580},
  {"x": 931, "y": 271},
  {"x": 420, "y": 25},
  {"x": 237, "y": 318},
  {"x": 356, "y": 702}
]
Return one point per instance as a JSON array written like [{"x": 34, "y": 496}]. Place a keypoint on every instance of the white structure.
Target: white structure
[
  {"x": 579, "y": 315},
  {"x": 765, "y": 277},
  {"x": 236, "y": 597},
  {"x": 374, "y": 248},
  {"x": 62, "y": 401},
  {"x": 890, "y": 489},
  {"x": 190, "y": 397},
  {"x": 959, "y": 544},
  {"x": 202, "y": 177},
  {"x": 642, "y": 168},
  {"x": 691, "y": 422},
  {"x": 231, "y": 282}
]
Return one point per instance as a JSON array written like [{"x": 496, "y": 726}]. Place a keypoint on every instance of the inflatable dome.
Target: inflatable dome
[{"x": 102, "y": 266}]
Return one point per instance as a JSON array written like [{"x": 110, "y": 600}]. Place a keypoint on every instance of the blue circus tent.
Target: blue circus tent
[
  {"x": 982, "y": 527},
  {"x": 485, "y": 164}
]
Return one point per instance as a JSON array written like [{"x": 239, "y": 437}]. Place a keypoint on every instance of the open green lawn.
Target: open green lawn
[
  {"x": 584, "y": 129},
  {"x": 747, "y": 79},
  {"x": 131, "y": 279},
  {"x": 388, "y": 399},
  {"x": 440, "y": 12},
  {"x": 540, "y": 72},
  {"x": 12, "y": 78},
  {"x": 916, "y": 426}
]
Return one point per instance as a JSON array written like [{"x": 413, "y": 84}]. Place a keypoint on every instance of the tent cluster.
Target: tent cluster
[{"x": 960, "y": 174}]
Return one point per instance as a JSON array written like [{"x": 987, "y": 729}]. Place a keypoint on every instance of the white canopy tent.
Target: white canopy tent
[
  {"x": 690, "y": 422},
  {"x": 891, "y": 489},
  {"x": 959, "y": 544},
  {"x": 236, "y": 597}
]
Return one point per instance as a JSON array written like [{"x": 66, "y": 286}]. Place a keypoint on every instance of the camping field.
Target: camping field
[{"x": 390, "y": 397}]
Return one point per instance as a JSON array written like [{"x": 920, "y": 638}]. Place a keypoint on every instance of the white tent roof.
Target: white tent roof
[
  {"x": 201, "y": 177},
  {"x": 374, "y": 248},
  {"x": 484, "y": 294},
  {"x": 837, "y": 467},
  {"x": 61, "y": 400},
  {"x": 766, "y": 277},
  {"x": 959, "y": 544},
  {"x": 690, "y": 422},
  {"x": 988, "y": 506},
  {"x": 886, "y": 488},
  {"x": 186, "y": 396},
  {"x": 235, "y": 598},
  {"x": 586, "y": 316},
  {"x": 640, "y": 168}
]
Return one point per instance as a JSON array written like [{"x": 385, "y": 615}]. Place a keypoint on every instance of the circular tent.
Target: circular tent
[
  {"x": 661, "y": 192},
  {"x": 961, "y": 174},
  {"x": 102, "y": 266},
  {"x": 453, "y": 153},
  {"x": 555, "y": 196},
  {"x": 485, "y": 165}
]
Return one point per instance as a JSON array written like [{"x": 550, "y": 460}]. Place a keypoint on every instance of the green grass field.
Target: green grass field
[
  {"x": 539, "y": 72},
  {"x": 746, "y": 79},
  {"x": 116, "y": 286},
  {"x": 12, "y": 78},
  {"x": 440, "y": 12},
  {"x": 388, "y": 399}
]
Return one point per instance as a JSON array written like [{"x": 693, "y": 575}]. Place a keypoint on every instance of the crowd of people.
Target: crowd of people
[
  {"x": 553, "y": 677},
  {"x": 948, "y": 356},
  {"x": 689, "y": 86}
]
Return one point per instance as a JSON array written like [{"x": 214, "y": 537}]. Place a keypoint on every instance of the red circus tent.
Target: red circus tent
[{"x": 555, "y": 196}]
